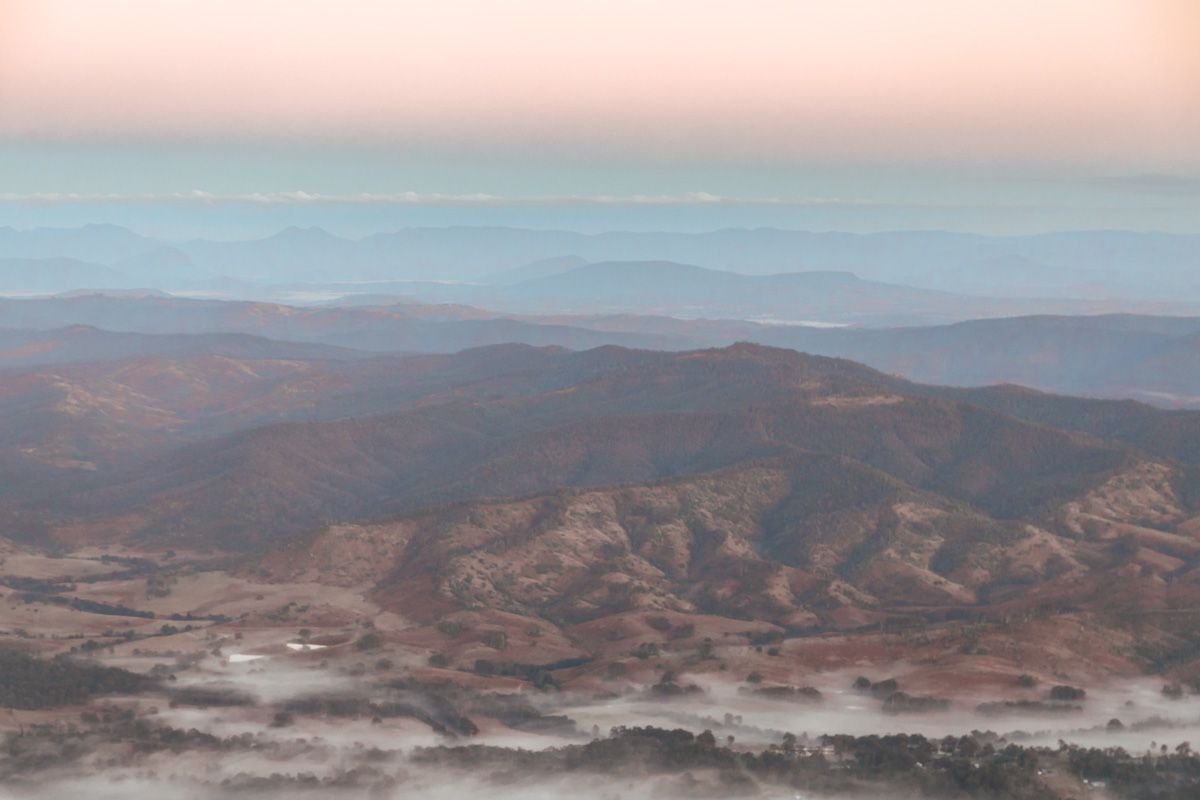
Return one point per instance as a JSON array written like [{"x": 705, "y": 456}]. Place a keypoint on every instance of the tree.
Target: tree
[{"x": 369, "y": 641}]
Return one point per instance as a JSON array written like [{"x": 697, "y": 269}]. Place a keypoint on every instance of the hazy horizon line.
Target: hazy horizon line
[
  {"x": 466, "y": 199},
  {"x": 383, "y": 231}
]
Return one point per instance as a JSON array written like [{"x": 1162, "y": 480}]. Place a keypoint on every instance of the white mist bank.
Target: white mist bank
[
  {"x": 1146, "y": 716},
  {"x": 428, "y": 785},
  {"x": 275, "y": 758}
]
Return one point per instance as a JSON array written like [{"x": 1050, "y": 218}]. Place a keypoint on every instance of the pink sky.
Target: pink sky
[{"x": 1057, "y": 80}]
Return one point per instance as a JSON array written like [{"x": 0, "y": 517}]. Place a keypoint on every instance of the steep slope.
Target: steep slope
[
  {"x": 694, "y": 571},
  {"x": 385, "y": 435},
  {"x": 79, "y": 421},
  {"x": 1167, "y": 434},
  {"x": 600, "y": 418},
  {"x": 747, "y": 542},
  {"x": 642, "y": 510}
]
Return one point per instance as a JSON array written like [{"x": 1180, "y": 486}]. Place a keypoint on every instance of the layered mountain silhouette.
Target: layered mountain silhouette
[
  {"x": 1150, "y": 358},
  {"x": 360, "y": 438},
  {"x": 586, "y": 492},
  {"x": 1071, "y": 264}
]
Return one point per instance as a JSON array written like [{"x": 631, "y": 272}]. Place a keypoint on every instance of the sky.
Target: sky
[{"x": 230, "y": 116}]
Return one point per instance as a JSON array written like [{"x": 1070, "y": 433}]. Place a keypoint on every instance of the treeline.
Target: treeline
[
  {"x": 84, "y": 605},
  {"x": 30, "y": 683},
  {"x": 954, "y": 767},
  {"x": 434, "y": 709},
  {"x": 45, "y": 748},
  {"x": 1167, "y": 776},
  {"x": 975, "y": 766},
  {"x": 979, "y": 766}
]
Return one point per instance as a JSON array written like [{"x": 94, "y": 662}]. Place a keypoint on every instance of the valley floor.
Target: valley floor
[{"x": 253, "y": 683}]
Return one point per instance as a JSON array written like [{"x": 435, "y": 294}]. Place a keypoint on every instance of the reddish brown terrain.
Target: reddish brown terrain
[{"x": 513, "y": 513}]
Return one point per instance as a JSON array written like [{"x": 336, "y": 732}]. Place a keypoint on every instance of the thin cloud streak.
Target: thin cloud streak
[{"x": 301, "y": 198}]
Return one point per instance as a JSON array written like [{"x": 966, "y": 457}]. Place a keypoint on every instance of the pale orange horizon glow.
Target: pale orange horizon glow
[{"x": 778, "y": 79}]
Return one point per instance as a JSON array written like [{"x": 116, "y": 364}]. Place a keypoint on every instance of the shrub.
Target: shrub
[
  {"x": 369, "y": 641},
  {"x": 1067, "y": 693}
]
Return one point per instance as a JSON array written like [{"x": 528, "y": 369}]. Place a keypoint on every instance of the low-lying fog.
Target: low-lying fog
[
  {"x": 428, "y": 785},
  {"x": 1145, "y": 714},
  {"x": 328, "y": 747}
]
